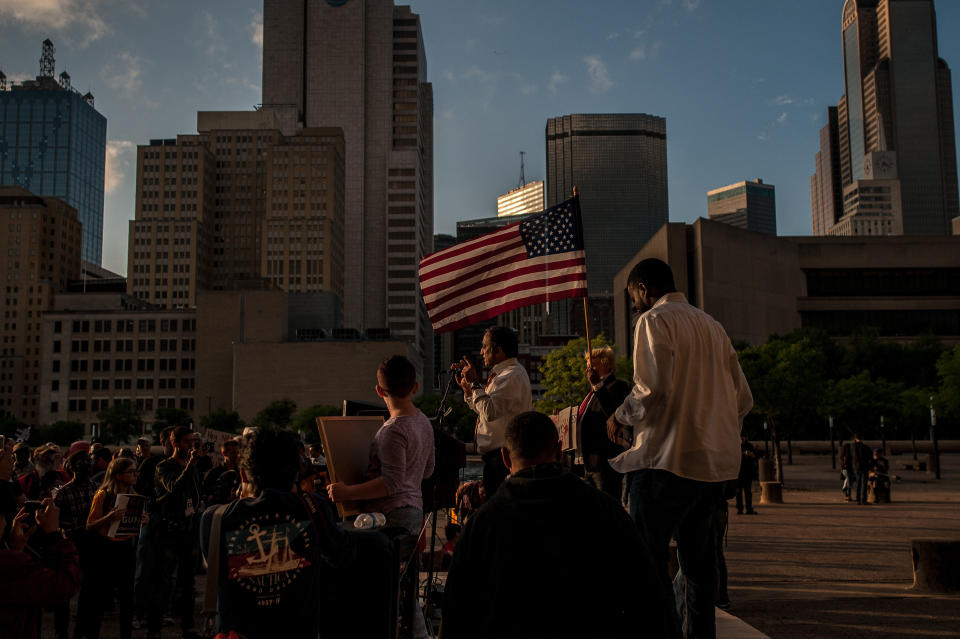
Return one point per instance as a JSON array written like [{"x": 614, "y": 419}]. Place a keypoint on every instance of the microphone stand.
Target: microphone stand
[{"x": 441, "y": 413}]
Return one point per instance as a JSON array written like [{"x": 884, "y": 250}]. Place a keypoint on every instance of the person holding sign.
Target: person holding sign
[{"x": 116, "y": 550}]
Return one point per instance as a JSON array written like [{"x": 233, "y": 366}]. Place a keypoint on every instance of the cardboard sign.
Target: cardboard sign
[
  {"x": 129, "y": 524},
  {"x": 566, "y": 423},
  {"x": 217, "y": 437},
  {"x": 346, "y": 442}
]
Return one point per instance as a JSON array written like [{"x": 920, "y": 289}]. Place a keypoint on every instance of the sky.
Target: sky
[{"x": 744, "y": 85}]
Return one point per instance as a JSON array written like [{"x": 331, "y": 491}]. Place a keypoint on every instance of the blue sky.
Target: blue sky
[{"x": 744, "y": 84}]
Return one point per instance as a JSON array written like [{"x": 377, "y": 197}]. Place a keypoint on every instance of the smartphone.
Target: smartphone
[
  {"x": 196, "y": 445},
  {"x": 32, "y": 505}
]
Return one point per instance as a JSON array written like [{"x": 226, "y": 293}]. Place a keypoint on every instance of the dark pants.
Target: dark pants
[
  {"x": 178, "y": 557},
  {"x": 61, "y": 613},
  {"x": 744, "y": 494},
  {"x": 148, "y": 562},
  {"x": 862, "y": 485},
  {"x": 494, "y": 471},
  {"x": 664, "y": 505},
  {"x": 605, "y": 479},
  {"x": 115, "y": 566}
]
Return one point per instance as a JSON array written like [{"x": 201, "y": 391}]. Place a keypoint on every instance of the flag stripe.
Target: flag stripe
[
  {"x": 504, "y": 293},
  {"x": 486, "y": 279},
  {"x": 513, "y": 250},
  {"x": 470, "y": 246},
  {"x": 535, "y": 297}
]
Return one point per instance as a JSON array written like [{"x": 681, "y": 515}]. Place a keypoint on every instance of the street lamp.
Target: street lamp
[
  {"x": 933, "y": 439},
  {"x": 883, "y": 438}
]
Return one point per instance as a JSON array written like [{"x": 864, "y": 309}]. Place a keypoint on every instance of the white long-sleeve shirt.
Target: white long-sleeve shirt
[
  {"x": 505, "y": 396},
  {"x": 689, "y": 396}
]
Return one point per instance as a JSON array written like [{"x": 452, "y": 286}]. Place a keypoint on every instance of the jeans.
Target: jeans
[
  {"x": 411, "y": 518},
  {"x": 177, "y": 554},
  {"x": 862, "y": 485},
  {"x": 664, "y": 505},
  {"x": 744, "y": 495},
  {"x": 606, "y": 480},
  {"x": 114, "y": 572}
]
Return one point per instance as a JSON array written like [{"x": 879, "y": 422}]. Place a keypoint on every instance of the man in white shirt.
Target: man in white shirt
[
  {"x": 686, "y": 409},
  {"x": 505, "y": 395}
]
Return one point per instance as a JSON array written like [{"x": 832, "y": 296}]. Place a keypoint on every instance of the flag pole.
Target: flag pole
[{"x": 586, "y": 312}]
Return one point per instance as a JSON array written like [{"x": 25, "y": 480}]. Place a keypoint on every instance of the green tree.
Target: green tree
[
  {"x": 913, "y": 412},
  {"x": 305, "y": 421},
  {"x": 564, "y": 378},
  {"x": 859, "y": 401},
  {"x": 786, "y": 377},
  {"x": 164, "y": 417},
  {"x": 62, "y": 433},
  {"x": 120, "y": 422},
  {"x": 460, "y": 422},
  {"x": 222, "y": 420},
  {"x": 277, "y": 414},
  {"x": 9, "y": 425},
  {"x": 948, "y": 371}
]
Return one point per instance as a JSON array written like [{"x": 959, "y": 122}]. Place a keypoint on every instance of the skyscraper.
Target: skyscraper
[
  {"x": 619, "y": 163},
  {"x": 747, "y": 205},
  {"x": 53, "y": 143},
  {"x": 894, "y": 123},
  {"x": 361, "y": 66},
  {"x": 524, "y": 199}
]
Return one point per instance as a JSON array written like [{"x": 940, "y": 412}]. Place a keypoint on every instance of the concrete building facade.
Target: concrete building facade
[
  {"x": 237, "y": 204},
  {"x": 104, "y": 349},
  {"x": 757, "y": 285},
  {"x": 53, "y": 143},
  {"x": 361, "y": 66},
  {"x": 44, "y": 242},
  {"x": 749, "y": 205},
  {"x": 525, "y": 199},
  {"x": 898, "y": 98}
]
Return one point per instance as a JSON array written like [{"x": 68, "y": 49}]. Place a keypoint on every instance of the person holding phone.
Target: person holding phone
[
  {"x": 116, "y": 555},
  {"x": 177, "y": 502}
]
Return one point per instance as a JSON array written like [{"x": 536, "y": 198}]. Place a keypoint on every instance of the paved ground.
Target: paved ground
[{"x": 817, "y": 566}]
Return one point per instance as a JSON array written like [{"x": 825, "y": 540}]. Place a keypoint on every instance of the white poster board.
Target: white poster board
[{"x": 346, "y": 443}]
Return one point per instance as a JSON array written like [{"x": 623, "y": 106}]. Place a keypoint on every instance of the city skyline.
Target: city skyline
[{"x": 743, "y": 98}]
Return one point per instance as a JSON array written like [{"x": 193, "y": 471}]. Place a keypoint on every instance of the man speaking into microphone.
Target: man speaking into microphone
[{"x": 505, "y": 395}]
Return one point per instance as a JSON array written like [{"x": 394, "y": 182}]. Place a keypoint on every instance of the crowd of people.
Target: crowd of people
[{"x": 662, "y": 455}]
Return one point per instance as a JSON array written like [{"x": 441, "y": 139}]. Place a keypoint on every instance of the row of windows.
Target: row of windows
[
  {"x": 127, "y": 326},
  {"x": 146, "y": 403},
  {"x": 126, "y": 365}
]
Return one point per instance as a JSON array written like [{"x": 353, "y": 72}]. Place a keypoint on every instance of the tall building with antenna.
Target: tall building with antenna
[
  {"x": 887, "y": 162},
  {"x": 361, "y": 66},
  {"x": 53, "y": 143}
]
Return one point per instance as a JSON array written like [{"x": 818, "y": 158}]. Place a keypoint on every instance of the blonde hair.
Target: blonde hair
[
  {"x": 603, "y": 354},
  {"x": 118, "y": 466}
]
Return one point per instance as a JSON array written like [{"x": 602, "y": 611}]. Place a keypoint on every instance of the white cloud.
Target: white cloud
[
  {"x": 599, "y": 76},
  {"x": 644, "y": 52},
  {"x": 640, "y": 53},
  {"x": 556, "y": 79},
  {"x": 256, "y": 30},
  {"x": 125, "y": 75},
  {"x": 691, "y": 5},
  {"x": 782, "y": 100},
  {"x": 119, "y": 154},
  {"x": 782, "y": 118},
  {"x": 613, "y": 36},
  {"x": 77, "y": 17}
]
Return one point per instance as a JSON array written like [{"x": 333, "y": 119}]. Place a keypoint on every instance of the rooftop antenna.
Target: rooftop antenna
[
  {"x": 3, "y": 81},
  {"x": 523, "y": 179},
  {"x": 65, "y": 80},
  {"x": 46, "y": 60},
  {"x": 88, "y": 98}
]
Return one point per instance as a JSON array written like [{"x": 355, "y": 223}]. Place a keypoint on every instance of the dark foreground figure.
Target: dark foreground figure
[{"x": 550, "y": 556}]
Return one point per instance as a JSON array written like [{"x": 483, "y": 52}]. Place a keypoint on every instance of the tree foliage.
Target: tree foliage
[
  {"x": 460, "y": 422},
  {"x": 62, "y": 433},
  {"x": 165, "y": 417},
  {"x": 120, "y": 422},
  {"x": 948, "y": 371},
  {"x": 305, "y": 421},
  {"x": 222, "y": 420},
  {"x": 564, "y": 374},
  {"x": 277, "y": 414}
]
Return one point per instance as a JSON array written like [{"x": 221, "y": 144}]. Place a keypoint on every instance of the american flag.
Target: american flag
[{"x": 538, "y": 260}]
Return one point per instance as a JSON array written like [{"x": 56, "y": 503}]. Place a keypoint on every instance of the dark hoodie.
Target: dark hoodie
[{"x": 550, "y": 556}]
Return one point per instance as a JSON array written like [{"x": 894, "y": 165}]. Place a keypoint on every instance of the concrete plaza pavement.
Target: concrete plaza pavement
[{"x": 819, "y": 566}]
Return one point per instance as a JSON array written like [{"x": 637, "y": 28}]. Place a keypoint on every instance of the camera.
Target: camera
[{"x": 32, "y": 505}]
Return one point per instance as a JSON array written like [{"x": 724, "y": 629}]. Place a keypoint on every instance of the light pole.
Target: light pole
[
  {"x": 933, "y": 439},
  {"x": 833, "y": 449},
  {"x": 883, "y": 438}
]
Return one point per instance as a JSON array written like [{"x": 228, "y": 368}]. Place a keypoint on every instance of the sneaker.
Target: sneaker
[{"x": 751, "y": 512}]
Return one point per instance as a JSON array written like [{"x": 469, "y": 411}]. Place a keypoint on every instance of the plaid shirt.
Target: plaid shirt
[{"x": 74, "y": 501}]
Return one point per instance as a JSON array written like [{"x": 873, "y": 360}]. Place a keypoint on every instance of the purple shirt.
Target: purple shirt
[{"x": 402, "y": 455}]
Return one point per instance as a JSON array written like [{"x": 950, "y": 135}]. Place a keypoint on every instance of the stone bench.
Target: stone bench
[{"x": 936, "y": 565}]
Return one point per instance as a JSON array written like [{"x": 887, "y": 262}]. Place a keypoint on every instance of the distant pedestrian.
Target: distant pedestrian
[
  {"x": 848, "y": 476},
  {"x": 862, "y": 460},
  {"x": 748, "y": 473}
]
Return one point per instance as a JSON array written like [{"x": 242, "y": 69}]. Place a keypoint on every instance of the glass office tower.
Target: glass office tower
[{"x": 53, "y": 142}]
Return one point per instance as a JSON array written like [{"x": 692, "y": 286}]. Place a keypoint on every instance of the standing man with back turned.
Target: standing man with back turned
[
  {"x": 686, "y": 408},
  {"x": 505, "y": 395}
]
